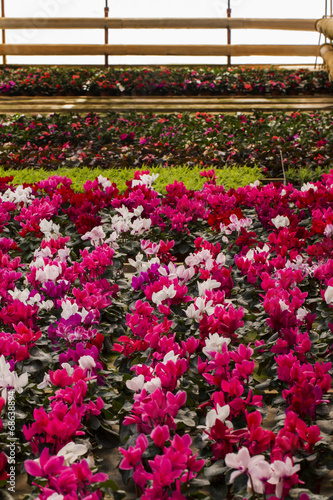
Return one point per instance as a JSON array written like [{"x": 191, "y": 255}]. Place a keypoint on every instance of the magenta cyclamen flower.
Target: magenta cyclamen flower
[
  {"x": 45, "y": 466},
  {"x": 133, "y": 455}
]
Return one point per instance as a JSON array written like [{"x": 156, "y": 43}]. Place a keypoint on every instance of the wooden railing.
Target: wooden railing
[
  {"x": 157, "y": 50},
  {"x": 149, "y": 23}
]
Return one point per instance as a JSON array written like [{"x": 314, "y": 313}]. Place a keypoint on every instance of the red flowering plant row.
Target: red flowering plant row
[
  {"x": 255, "y": 139},
  {"x": 161, "y": 81},
  {"x": 207, "y": 351}
]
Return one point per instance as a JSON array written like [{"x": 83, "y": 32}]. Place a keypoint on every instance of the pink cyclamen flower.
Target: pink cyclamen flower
[
  {"x": 45, "y": 466},
  {"x": 282, "y": 470},
  {"x": 242, "y": 461},
  {"x": 160, "y": 435}
]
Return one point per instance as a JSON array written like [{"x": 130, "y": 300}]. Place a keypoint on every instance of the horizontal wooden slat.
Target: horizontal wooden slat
[
  {"x": 96, "y": 23},
  {"x": 246, "y": 104},
  {"x": 159, "y": 50}
]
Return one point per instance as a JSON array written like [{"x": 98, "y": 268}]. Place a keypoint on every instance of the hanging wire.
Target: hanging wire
[
  {"x": 317, "y": 54},
  {"x": 331, "y": 8}
]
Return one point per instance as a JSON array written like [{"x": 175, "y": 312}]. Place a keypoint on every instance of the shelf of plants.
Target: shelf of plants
[
  {"x": 304, "y": 140},
  {"x": 162, "y": 81},
  {"x": 180, "y": 366}
]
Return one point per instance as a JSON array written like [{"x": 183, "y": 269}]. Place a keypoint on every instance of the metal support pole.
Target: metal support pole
[
  {"x": 106, "y": 15},
  {"x": 4, "y": 58},
  {"x": 229, "y": 33}
]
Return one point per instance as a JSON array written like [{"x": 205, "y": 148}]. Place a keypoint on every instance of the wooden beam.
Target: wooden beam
[
  {"x": 325, "y": 26},
  {"x": 159, "y": 50},
  {"x": 167, "y": 23}
]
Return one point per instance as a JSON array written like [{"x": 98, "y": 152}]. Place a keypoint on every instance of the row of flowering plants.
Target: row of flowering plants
[
  {"x": 210, "y": 367},
  {"x": 161, "y": 81},
  {"x": 299, "y": 140}
]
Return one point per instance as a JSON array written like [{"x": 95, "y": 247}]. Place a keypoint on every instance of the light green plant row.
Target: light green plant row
[
  {"x": 300, "y": 175},
  {"x": 230, "y": 177}
]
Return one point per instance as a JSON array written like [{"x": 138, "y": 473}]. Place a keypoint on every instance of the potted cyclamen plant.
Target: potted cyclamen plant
[{"x": 276, "y": 88}]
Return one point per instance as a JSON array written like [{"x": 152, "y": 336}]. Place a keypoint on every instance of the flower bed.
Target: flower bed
[
  {"x": 202, "y": 139},
  {"x": 162, "y": 81},
  {"x": 181, "y": 364}
]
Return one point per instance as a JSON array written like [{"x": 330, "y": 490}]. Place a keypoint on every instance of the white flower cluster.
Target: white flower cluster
[
  {"x": 24, "y": 297},
  {"x": 96, "y": 236},
  {"x": 259, "y": 471},
  {"x": 206, "y": 258},
  {"x": 50, "y": 272},
  {"x": 307, "y": 186},
  {"x": 235, "y": 224},
  {"x": 69, "y": 309},
  {"x": 19, "y": 195},
  {"x": 177, "y": 272},
  {"x": 145, "y": 180},
  {"x": 214, "y": 343},
  {"x": 10, "y": 380},
  {"x": 123, "y": 222},
  {"x": 167, "y": 292},
  {"x": 281, "y": 221},
  {"x": 142, "y": 266},
  {"x": 200, "y": 306},
  {"x": 49, "y": 229},
  {"x": 104, "y": 182}
]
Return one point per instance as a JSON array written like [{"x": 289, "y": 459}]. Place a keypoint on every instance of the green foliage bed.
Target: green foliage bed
[{"x": 229, "y": 177}]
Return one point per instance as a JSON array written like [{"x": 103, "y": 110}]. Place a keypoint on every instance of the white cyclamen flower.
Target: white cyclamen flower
[
  {"x": 22, "y": 296},
  {"x": 50, "y": 272},
  {"x": 165, "y": 293},
  {"x": 281, "y": 221},
  {"x": 220, "y": 413},
  {"x": 208, "y": 285},
  {"x": 136, "y": 383},
  {"x": 200, "y": 307},
  {"x": 19, "y": 195},
  {"x": 328, "y": 231},
  {"x": 9, "y": 379},
  {"x": 140, "y": 226},
  {"x": 69, "y": 369},
  {"x": 104, "y": 182},
  {"x": 87, "y": 362},
  {"x": 96, "y": 235},
  {"x": 49, "y": 229},
  {"x": 56, "y": 496},
  {"x": 307, "y": 186},
  {"x": 46, "y": 382},
  {"x": 68, "y": 309},
  {"x": 152, "y": 385},
  {"x": 170, "y": 356},
  {"x": 214, "y": 343},
  {"x": 145, "y": 180},
  {"x": 280, "y": 471},
  {"x": 329, "y": 295},
  {"x": 71, "y": 452}
]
